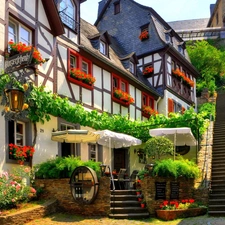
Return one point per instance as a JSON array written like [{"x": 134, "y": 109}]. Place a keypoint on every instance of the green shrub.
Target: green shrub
[
  {"x": 62, "y": 167},
  {"x": 176, "y": 168},
  {"x": 208, "y": 110}
]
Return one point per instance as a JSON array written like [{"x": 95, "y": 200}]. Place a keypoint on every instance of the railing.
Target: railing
[{"x": 69, "y": 21}]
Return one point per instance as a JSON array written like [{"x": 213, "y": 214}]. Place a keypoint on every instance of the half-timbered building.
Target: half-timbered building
[{"x": 142, "y": 58}]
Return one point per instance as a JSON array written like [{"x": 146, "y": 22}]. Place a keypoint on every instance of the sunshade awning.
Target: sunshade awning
[
  {"x": 179, "y": 136},
  {"x": 74, "y": 136}
]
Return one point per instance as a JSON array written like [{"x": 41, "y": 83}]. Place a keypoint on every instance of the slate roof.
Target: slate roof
[
  {"x": 89, "y": 31},
  {"x": 189, "y": 24}
]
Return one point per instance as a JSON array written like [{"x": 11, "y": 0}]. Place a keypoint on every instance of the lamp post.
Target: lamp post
[{"x": 16, "y": 99}]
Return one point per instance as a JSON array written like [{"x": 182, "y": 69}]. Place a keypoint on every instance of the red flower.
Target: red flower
[
  {"x": 148, "y": 69},
  {"x": 21, "y": 152},
  {"x": 82, "y": 76},
  {"x": 124, "y": 96},
  {"x": 22, "y": 47},
  {"x": 149, "y": 111},
  {"x": 144, "y": 35}
]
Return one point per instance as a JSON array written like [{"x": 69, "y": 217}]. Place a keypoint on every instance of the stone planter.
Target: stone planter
[{"x": 179, "y": 213}]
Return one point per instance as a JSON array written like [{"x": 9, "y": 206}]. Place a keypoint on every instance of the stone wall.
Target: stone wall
[
  {"x": 60, "y": 190},
  {"x": 187, "y": 190},
  {"x": 25, "y": 215}
]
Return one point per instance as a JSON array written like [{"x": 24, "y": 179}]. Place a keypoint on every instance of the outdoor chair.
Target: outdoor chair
[
  {"x": 120, "y": 178},
  {"x": 131, "y": 180}
]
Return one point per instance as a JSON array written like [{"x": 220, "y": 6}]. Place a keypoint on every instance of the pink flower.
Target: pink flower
[{"x": 32, "y": 190}]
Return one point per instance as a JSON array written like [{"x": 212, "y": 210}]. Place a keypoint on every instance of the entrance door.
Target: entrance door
[{"x": 120, "y": 158}]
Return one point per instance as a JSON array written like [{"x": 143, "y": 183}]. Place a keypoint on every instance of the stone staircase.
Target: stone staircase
[
  {"x": 217, "y": 194},
  {"x": 125, "y": 205}
]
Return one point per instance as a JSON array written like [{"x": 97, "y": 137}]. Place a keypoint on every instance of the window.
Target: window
[
  {"x": 95, "y": 152},
  {"x": 68, "y": 149},
  {"x": 118, "y": 83},
  {"x": 19, "y": 133},
  {"x": 174, "y": 106},
  {"x": 85, "y": 67},
  {"x": 102, "y": 47},
  {"x": 19, "y": 33},
  {"x": 67, "y": 11},
  {"x": 147, "y": 100},
  {"x": 144, "y": 32},
  {"x": 79, "y": 64},
  {"x": 169, "y": 36},
  {"x": 73, "y": 61},
  {"x": 116, "y": 7},
  {"x": 131, "y": 67}
]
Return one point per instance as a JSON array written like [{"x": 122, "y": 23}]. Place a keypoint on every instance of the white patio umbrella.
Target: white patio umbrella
[
  {"x": 116, "y": 140},
  {"x": 179, "y": 136}
]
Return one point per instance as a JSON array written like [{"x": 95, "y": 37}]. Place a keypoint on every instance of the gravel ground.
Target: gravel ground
[{"x": 65, "y": 219}]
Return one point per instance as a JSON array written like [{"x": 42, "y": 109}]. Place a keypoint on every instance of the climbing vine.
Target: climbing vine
[{"x": 43, "y": 103}]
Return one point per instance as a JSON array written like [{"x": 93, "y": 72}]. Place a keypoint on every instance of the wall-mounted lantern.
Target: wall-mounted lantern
[
  {"x": 16, "y": 99},
  {"x": 103, "y": 169}
]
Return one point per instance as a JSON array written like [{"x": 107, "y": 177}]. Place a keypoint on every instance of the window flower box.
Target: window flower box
[
  {"x": 180, "y": 213},
  {"x": 81, "y": 78},
  {"x": 170, "y": 210},
  {"x": 147, "y": 111},
  {"x": 122, "y": 97},
  {"x": 19, "y": 48},
  {"x": 181, "y": 76},
  {"x": 144, "y": 35},
  {"x": 148, "y": 71},
  {"x": 21, "y": 153}
]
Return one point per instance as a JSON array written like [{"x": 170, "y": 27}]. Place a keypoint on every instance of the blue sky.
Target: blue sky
[{"x": 169, "y": 10}]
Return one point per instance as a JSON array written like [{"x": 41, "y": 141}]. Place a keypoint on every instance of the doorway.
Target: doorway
[{"x": 120, "y": 158}]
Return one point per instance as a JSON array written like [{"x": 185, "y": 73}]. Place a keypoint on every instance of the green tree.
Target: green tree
[
  {"x": 158, "y": 146},
  {"x": 210, "y": 62}
]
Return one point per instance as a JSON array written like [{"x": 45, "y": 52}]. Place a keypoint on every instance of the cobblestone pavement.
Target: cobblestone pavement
[{"x": 65, "y": 219}]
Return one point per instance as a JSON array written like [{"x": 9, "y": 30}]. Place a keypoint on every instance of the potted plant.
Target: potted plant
[
  {"x": 148, "y": 111},
  {"x": 143, "y": 203},
  {"x": 138, "y": 192},
  {"x": 170, "y": 210}
]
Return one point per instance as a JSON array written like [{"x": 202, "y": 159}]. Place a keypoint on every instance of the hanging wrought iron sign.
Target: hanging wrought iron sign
[
  {"x": 84, "y": 185},
  {"x": 16, "y": 62}
]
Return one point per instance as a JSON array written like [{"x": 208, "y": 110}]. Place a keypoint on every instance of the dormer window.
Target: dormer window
[
  {"x": 181, "y": 47},
  {"x": 168, "y": 36},
  {"x": 67, "y": 12},
  {"x": 144, "y": 32},
  {"x": 102, "y": 48},
  {"x": 131, "y": 68},
  {"x": 116, "y": 7}
]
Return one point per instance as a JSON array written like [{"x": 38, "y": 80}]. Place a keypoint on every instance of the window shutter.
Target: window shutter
[
  {"x": 183, "y": 110},
  {"x": 170, "y": 105}
]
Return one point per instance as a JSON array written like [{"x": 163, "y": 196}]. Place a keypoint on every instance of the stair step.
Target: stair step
[
  {"x": 129, "y": 215},
  {"x": 216, "y": 213},
  {"x": 123, "y": 210},
  {"x": 124, "y": 203}
]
